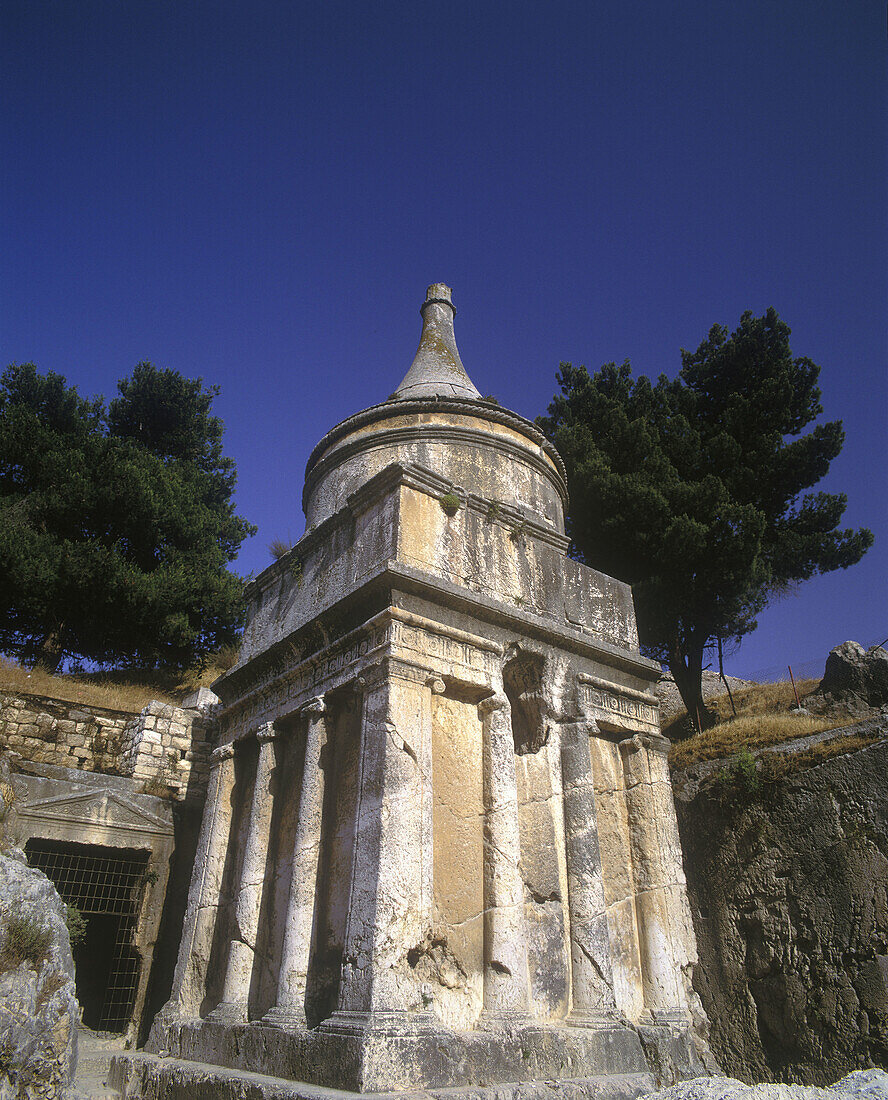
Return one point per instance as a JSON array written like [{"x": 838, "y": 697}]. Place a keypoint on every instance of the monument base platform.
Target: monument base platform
[
  {"x": 148, "y": 1077},
  {"x": 525, "y": 1059}
]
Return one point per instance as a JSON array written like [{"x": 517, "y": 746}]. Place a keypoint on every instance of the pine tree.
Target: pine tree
[
  {"x": 691, "y": 488},
  {"x": 116, "y": 525}
]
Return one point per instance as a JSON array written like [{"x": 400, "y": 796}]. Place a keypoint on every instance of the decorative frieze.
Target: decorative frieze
[
  {"x": 439, "y": 649},
  {"x": 614, "y": 703}
]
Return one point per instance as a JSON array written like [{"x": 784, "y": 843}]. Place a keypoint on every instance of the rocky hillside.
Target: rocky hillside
[
  {"x": 787, "y": 872},
  {"x": 38, "y": 1008}
]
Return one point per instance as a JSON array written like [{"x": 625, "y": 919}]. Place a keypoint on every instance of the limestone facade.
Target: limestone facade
[{"x": 439, "y": 845}]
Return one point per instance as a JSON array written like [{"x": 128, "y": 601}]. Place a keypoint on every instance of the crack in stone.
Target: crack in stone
[{"x": 593, "y": 961}]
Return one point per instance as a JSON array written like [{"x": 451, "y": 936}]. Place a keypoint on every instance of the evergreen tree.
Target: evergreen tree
[
  {"x": 117, "y": 524},
  {"x": 690, "y": 488}
]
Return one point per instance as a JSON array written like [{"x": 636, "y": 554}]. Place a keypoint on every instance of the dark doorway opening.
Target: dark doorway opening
[
  {"x": 523, "y": 684},
  {"x": 105, "y": 884}
]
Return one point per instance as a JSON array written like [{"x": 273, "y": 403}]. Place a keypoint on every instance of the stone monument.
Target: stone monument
[{"x": 439, "y": 847}]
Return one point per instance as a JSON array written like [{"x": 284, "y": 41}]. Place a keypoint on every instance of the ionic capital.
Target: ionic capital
[
  {"x": 314, "y": 708},
  {"x": 493, "y": 703},
  {"x": 266, "y": 732}
]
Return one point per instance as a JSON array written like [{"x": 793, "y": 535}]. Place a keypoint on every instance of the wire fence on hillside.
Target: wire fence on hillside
[{"x": 801, "y": 670}]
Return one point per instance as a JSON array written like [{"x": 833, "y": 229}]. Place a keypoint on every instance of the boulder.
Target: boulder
[
  {"x": 38, "y": 1005},
  {"x": 852, "y": 671}
]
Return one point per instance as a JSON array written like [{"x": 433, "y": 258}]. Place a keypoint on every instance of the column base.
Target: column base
[
  {"x": 381, "y": 1052},
  {"x": 383, "y": 1021},
  {"x": 287, "y": 1019},
  {"x": 595, "y": 1020},
  {"x": 504, "y": 1019},
  {"x": 228, "y": 1012}
]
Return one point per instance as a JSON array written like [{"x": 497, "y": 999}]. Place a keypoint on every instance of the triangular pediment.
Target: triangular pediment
[{"x": 94, "y": 808}]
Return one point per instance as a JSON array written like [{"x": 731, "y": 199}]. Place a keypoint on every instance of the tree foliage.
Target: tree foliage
[
  {"x": 117, "y": 523},
  {"x": 692, "y": 489}
]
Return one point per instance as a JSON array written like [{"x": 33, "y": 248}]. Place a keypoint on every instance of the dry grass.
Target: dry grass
[
  {"x": 776, "y": 765},
  {"x": 763, "y": 719},
  {"x": 117, "y": 689},
  {"x": 762, "y": 698},
  {"x": 25, "y": 940},
  {"x": 753, "y": 731}
]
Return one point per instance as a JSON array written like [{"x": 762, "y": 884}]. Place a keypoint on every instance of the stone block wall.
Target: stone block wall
[
  {"x": 165, "y": 748},
  {"x": 53, "y": 731}
]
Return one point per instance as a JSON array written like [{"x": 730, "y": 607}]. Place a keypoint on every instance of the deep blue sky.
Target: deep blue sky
[{"x": 259, "y": 193}]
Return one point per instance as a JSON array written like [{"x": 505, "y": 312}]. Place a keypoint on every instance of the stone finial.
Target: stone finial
[{"x": 437, "y": 369}]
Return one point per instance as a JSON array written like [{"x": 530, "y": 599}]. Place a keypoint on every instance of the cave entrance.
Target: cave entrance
[{"x": 105, "y": 884}]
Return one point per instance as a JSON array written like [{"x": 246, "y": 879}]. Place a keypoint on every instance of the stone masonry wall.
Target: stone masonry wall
[
  {"x": 53, "y": 731},
  {"x": 167, "y": 748},
  {"x": 788, "y": 884}
]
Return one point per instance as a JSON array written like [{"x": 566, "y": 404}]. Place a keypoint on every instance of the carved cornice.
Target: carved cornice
[
  {"x": 406, "y": 644},
  {"x": 646, "y": 697},
  {"x": 449, "y": 433},
  {"x": 522, "y": 621},
  {"x": 481, "y": 409}
]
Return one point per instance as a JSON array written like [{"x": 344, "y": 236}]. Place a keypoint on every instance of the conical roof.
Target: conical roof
[{"x": 437, "y": 370}]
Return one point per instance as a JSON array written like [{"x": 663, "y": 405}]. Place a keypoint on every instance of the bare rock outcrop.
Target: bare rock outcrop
[
  {"x": 855, "y": 673},
  {"x": 38, "y": 1006},
  {"x": 863, "y": 1084},
  {"x": 788, "y": 884}
]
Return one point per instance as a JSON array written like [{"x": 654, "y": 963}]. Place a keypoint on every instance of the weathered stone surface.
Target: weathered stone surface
[
  {"x": 162, "y": 745},
  {"x": 424, "y": 903},
  {"x": 145, "y": 1076},
  {"x": 204, "y": 699},
  {"x": 38, "y": 1008},
  {"x": 854, "y": 671},
  {"x": 788, "y": 888},
  {"x": 437, "y": 369},
  {"x": 869, "y": 1083}
]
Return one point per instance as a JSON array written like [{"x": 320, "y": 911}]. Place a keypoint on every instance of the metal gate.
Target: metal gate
[{"x": 106, "y": 886}]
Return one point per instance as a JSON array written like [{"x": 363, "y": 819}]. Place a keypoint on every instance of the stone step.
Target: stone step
[
  {"x": 139, "y": 1075},
  {"x": 94, "y": 1053}
]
